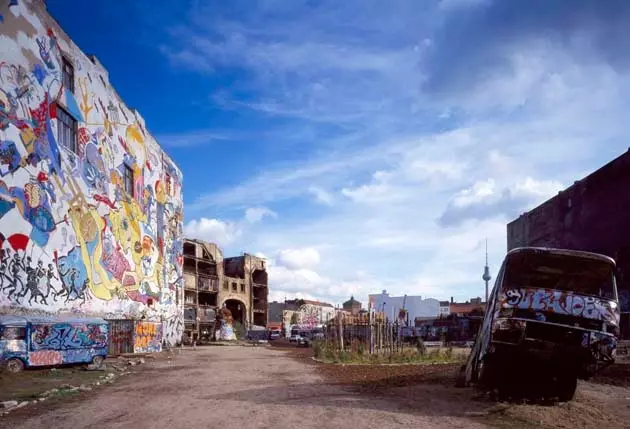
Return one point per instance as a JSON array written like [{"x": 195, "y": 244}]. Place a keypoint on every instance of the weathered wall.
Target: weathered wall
[{"x": 72, "y": 240}]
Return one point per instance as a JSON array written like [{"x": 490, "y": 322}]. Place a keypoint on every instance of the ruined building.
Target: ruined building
[
  {"x": 90, "y": 206},
  {"x": 592, "y": 215},
  {"x": 212, "y": 282}
]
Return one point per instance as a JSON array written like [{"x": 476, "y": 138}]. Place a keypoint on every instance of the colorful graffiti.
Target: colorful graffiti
[
  {"x": 75, "y": 236},
  {"x": 560, "y": 302},
  {"x": 148, "y": 337},
  {"x": 45, "y": 357},
  {"x": 64, "y": 336}
]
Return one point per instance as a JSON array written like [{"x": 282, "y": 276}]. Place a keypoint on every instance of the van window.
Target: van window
[{"x": 13, "y": 333}]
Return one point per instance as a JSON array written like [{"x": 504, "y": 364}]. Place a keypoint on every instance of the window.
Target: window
[
  {"x": 234, "y": 287},
  {"x": 67, "y": 74},
  {"x": 226, "y": 285},
  {"x": 242, "y": 287},
  {"x": 13, "y": 333},
  {"x": 67, "y": 130},
  {"x": 128, "y": 180}
]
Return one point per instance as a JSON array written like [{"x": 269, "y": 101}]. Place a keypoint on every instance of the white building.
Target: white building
[{"x": 415, "y": 305}]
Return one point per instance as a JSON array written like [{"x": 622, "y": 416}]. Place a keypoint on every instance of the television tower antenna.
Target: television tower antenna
[{"x": 486, "y": 272}]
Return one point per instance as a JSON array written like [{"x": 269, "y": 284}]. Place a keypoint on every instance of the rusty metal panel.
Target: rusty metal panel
[{"x": 121, "y": 337}]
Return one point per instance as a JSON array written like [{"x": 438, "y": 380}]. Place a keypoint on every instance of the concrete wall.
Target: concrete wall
[{"x": 72, "y": 239}]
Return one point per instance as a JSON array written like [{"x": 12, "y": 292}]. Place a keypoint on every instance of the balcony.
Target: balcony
[
  {"x": 208, "y": 284},
  {"x": 190, "y": 282}
]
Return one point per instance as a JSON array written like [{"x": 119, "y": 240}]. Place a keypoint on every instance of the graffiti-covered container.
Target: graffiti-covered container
[
  {"x": 147, "y": 337},
  {"x": 121, "y": 337}
]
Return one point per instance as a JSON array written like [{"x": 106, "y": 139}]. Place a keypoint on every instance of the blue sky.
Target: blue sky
[{"x": 368, "y": 145}]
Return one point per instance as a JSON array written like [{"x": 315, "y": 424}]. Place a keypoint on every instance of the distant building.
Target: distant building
[
  {"x": 352, "y": 306},
  {"x": 302, "y": 312},
  {"x": 212, "y": 282},
  {"x": 475, "y": 305},
  {"x": 415, "y": 305},
  {"x": 445, "y": 308},
  {"x": 592, "y": 215}
]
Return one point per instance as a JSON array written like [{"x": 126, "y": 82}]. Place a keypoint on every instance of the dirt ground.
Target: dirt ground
[{"x": 260, "y": 387}]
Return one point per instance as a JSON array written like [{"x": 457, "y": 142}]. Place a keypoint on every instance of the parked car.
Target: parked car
[
  {"x": 552, "y": 317},
  {"x": 295, "y": 336},
  {"x": 275, "y": 334},
  {"x": 306, "y": 339},
  {"x": 38, "y": 341}
]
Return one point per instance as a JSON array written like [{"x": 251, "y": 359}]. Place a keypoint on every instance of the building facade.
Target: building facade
[
  {"x": 212, "y": 282},
  {"x": 415, "y": 305},
  {"x": 352, "y": 306},
  {"x": 301, "y": 312},
  {"x": 90, "y": 206},
  {"x": 474, "y": 305},
  {"x": 590, "y": 215}
]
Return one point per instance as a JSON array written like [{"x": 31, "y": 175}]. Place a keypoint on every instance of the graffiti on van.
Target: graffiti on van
[{"x": 67, "y": 336}]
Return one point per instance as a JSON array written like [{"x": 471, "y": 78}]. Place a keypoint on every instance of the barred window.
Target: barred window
[
  {"x": 67, "y": 130},
  {"x": 128, "y": 180},
  {"x": 67, "y": 74}
]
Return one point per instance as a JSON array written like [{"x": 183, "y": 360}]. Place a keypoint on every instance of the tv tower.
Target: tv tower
[{"x": 486, "y": 272}]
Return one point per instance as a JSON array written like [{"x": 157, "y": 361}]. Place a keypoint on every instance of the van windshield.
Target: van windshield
[
  {"x": 12, "y": 333},
  {"x": 562, "y": 272}
]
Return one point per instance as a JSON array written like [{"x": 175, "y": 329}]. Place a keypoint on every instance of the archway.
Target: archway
[{"x": 237, "y": 308}]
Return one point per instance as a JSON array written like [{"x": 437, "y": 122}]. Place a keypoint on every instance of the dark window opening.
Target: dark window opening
[
  {"x": 207, "y": 299},
  {"x": 234, "y": 287},
  {"x": 207, "y": 269},
  {"x": 189, "y": 249},
  {"x": 259, "y": 277},
  {"x": 189, "y": 265},
  {"x": 242, "y": 287},
  {"x": 226, "y": 285},
  {"x": 67, "y": 74},
  {"x": 128, "y": 180},
  {"x": 67, "y": 130},
  {"x": 103, "y": 80}
]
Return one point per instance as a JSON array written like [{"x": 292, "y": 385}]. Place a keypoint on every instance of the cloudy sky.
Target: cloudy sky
[{"x": 367, "y": 145}]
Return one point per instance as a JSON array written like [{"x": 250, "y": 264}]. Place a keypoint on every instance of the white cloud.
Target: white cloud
[
  {"x": 321, "y": 196},
  {"x": 256, "y": 214},
  {"x": 296, "y": 259},
  {"x": 432, "y": 149},
  {"x": 213, "y": 230}
]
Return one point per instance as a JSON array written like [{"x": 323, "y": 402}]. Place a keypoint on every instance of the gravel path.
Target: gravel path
[{"x": 249, "y": 387}]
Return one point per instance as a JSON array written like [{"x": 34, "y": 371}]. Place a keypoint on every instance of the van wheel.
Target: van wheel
[
  {"x": 566, "y": 388},
  {"x": 14, "y": 365},
  {"x": 97, "y": 361}
]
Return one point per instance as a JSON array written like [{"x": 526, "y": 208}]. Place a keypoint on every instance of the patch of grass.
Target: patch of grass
[{"x": 356, "y": 354}]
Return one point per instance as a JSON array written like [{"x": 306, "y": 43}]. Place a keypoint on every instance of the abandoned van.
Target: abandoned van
[
  {"x": 552, "y": 317},
  {"x": 38, "y": 341}
]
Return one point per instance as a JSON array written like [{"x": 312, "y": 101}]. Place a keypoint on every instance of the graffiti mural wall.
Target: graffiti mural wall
[{"x": 90, "y": 206}]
